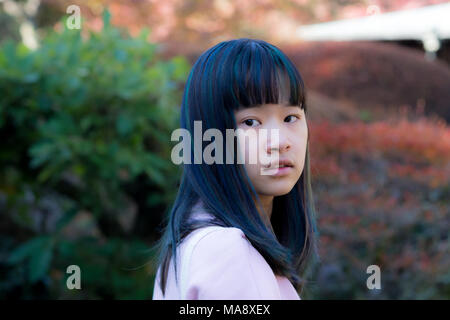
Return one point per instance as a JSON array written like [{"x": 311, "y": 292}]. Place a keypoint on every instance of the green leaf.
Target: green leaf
[
  {"x": 26, "y": 249},
  {"x": 155, "y": 175},
  {"x": 31, "y": 77},
  {"x": 67, "y": 217},
  {"x": 46, "y": 173},
  {"x": 40, "y": 262},
  {"x": 124, "y": 125},
  {"x": 40, "y": 153},
  {"x": 106, "y": 19},
  {"x": 39, "y": 252}
]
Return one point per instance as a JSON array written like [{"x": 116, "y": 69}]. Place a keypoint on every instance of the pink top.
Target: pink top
[{"x": 219, "y": 263}]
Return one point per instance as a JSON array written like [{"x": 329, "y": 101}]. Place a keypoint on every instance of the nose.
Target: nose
[{"x": 277, "y": 141}]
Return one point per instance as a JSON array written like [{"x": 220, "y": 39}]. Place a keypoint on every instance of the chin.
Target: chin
[{"x": 276, "y": 192}]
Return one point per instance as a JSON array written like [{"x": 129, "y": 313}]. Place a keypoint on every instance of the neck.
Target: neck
[{"x": 267, "y": 203}]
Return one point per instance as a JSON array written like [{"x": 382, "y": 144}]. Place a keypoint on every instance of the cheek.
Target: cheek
[
  {"x": 300, "y": 144},
  {"x": 248, "y": 148}
]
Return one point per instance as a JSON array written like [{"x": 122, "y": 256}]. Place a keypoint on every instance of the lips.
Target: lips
[{"x": 283, "y": 163}]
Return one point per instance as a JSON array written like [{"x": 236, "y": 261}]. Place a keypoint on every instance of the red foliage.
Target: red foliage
[
  {"x": 419, "y": 149},
  {"x": 377, "y": 77},
  {"x": 385, "y": 201}
]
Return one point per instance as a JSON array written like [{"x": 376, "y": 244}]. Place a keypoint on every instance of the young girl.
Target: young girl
[{"x": 238, "y": 230}]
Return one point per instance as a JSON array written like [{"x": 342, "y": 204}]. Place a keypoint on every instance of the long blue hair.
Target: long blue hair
[{"x": 231, "y": 75}]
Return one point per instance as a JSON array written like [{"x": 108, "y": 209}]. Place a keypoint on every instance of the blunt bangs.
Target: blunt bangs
[{"x": 253, "y": 72}]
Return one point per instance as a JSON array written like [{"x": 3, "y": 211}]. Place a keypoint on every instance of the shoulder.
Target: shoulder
[
  {"x": 222, "y": 263},
  {"x": 218, "y": 235},
  {"x": 211, "y": 241}
]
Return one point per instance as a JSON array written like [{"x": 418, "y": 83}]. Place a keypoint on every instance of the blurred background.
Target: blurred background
[{"x": 86, "y": 113}]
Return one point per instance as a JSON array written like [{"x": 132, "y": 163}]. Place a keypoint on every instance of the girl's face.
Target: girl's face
[{"x": 277, "y": 177}]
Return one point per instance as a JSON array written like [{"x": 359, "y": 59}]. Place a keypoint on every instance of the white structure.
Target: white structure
[{"x": 427, "y": 24}]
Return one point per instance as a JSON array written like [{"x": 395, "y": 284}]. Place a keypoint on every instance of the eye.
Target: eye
[
  {"x": 251, "y": 122},
  {"x": 291, "y": 118}
]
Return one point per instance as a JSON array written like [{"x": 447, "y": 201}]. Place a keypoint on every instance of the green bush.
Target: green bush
[{"x": 85, "y": 125}]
